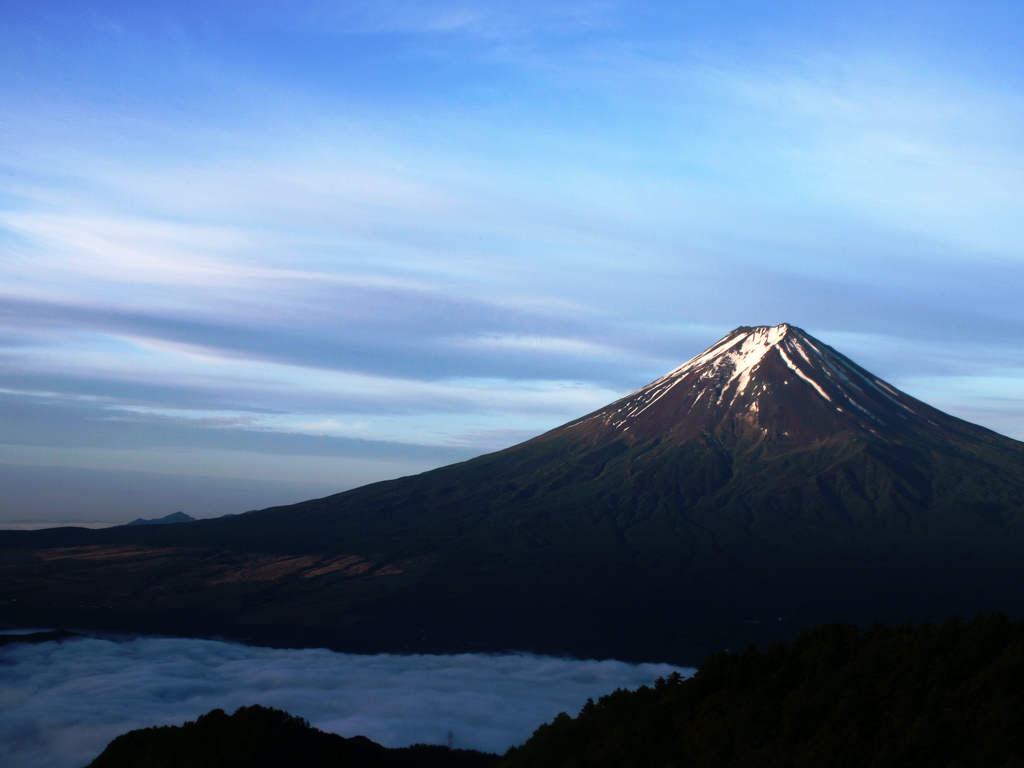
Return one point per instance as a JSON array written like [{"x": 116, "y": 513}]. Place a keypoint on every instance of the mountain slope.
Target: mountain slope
[
  {"x": 768, "y": 477},
  {"x": 767, "y": 435}
]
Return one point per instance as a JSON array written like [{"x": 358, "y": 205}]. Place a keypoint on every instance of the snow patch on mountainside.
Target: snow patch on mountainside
[
  {"x": 752, "y": 347},
  {"x": 803, "y": 375}
]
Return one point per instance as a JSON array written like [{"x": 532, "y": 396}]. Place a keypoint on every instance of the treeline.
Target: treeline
[
  {"x": 948, "y": 695},
  {"x": 261, "y": 737}
]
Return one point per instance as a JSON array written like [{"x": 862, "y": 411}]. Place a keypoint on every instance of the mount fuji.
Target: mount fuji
[
  {"x": 778, "y": 380},
  {"x": 766, "y": 485}
]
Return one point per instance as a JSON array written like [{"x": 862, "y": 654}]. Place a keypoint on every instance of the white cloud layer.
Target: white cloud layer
[{"x": 62, "y": 703}]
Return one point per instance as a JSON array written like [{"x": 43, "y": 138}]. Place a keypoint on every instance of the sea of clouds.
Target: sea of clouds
[{"x": 62, "y": 702}]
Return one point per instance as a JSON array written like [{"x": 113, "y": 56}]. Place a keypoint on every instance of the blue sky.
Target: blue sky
[{"x": 253, "y": 253}]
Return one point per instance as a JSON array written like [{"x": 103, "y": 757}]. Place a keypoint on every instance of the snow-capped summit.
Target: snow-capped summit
[{"x": 775, "y": 383}]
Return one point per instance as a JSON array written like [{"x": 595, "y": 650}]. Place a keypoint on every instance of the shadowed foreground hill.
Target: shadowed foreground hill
[
  {"x": 260, "y": 737},
  {"x": 949, "y": 695}
]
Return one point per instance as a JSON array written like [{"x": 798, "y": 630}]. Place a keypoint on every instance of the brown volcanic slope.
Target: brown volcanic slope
[{"x": 767, "y": 484}]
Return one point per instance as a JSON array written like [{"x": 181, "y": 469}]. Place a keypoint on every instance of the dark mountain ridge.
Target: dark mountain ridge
[
  {"x": 764, "y": 486},
  {"x": 171, "y": 519}
]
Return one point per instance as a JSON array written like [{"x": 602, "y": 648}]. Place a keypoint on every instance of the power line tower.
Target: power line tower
[{"x": 451, "y": 739}]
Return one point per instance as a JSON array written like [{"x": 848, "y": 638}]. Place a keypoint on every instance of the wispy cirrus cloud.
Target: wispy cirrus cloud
[
  {"x": 495, "y": 21},
  {"x": 422, "y": 224}
]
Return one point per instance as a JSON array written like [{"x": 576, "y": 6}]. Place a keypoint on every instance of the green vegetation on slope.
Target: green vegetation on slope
[{"x": 949, "y": 695}]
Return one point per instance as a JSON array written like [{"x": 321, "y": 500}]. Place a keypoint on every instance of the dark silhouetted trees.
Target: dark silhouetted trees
[
  {"x": 948, "y": 695},
  {"x": 260, "y": 737}
]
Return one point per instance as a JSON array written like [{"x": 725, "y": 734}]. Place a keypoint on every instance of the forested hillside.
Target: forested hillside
[{"x": 949, "y": 695}]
